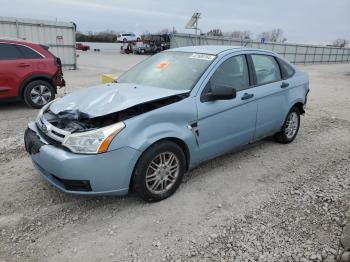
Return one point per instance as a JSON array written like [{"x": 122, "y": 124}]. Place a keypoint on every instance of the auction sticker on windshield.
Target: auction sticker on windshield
[
  {"x": 162, "y": 65},
  {"x": 203, "y": 57}
]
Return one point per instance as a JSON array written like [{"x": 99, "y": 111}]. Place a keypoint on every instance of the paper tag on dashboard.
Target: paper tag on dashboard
[{"x": 202, "y": 56}]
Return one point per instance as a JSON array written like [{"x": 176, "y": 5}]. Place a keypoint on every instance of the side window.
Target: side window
[
  {"x": 233, "y": 72},
  {"x": 266, "y": 69},
  {"x": 28, "y": 53},
  {"x": 9, "y": 52},
  {"x": 287, "y": 70}
]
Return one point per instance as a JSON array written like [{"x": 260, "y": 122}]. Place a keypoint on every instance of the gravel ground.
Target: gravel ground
[{"x": 263, "y": 202}]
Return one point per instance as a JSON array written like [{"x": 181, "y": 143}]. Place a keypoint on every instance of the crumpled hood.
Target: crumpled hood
[{"x": 109, "y": 98}]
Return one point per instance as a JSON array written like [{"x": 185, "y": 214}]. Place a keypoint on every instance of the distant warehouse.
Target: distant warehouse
[{"x": 58, "y": 36}]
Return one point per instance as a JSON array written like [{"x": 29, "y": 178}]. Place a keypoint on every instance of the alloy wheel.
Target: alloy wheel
[
  {"x": 162, "y": 172},
  {"x": 40, "y": 95},
  {"x": 292, "y": 125}
]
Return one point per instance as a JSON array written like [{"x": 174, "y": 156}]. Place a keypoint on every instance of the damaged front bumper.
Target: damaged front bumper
[{"x": 96, "y": 174}]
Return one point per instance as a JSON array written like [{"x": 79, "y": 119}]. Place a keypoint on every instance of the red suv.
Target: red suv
[{"x": 28, "y": 71}]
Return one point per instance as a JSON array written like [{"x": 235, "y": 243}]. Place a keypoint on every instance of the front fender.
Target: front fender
[{"x": 170, "y": 121}]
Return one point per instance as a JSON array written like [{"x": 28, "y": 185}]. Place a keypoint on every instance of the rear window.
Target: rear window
[
  {"x": 28, "y": 53},
  {"x": 266, "y": 69},
  {"x": 9, "y": 52},
  {"x": 287, "y": 70}
]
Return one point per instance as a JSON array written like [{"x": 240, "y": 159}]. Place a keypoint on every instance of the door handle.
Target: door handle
[
  {"x": 247, "y": 96},
  {"x": 284, "y": 84},
  {"x": 23, "y": 65}
]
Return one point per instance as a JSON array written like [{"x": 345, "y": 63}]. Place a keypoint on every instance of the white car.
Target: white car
[{"x": 128, "y": 37}]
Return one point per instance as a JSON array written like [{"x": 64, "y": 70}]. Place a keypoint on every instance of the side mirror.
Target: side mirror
[{"x": 220, "y": 93}]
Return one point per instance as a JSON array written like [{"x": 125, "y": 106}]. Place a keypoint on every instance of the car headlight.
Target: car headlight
[{"x": 93, "y": 142}]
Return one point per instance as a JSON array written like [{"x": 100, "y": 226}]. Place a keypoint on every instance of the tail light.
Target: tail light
[{"x": 59, "y": 75}]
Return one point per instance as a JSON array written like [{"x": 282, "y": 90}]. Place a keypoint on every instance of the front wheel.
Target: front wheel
[
  {"x": 159, "y": 171},
  {"x": 38, "y": 93},
  {"x": 290, "y": 127}
]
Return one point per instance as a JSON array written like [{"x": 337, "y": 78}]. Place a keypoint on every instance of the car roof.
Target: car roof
[
  {"x": 214, "y": 49},
  {"x": 39, "y": 48},
  {"x": 16, "y": 41}
]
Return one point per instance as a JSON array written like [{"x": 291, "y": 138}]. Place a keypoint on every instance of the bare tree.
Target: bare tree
[
  {"x": 341, "y": 42},
  {"x": 108, "y": 36},
  {"x": 275, "y": 35},
  {"x": 239, "y": 34},
  {"x": 215, "y": 32}
]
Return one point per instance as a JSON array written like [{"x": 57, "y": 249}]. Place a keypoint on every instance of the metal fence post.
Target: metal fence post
[
  {"x": 313, "y": 61},
  {"x": 17, "y": 30},
  {"x": 307, "y": 48},
  {"x": 322, "y": 55}
]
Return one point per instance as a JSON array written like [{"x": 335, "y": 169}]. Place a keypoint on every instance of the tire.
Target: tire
[
  {"x": 288, "y": 133},
  {"x": 38, "y": 93},
  {"x": 125, "y": 40},
  {"x": 150, "y": 167}
]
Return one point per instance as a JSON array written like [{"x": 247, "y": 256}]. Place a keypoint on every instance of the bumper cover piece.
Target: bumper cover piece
[
  {"x": 97, "y": 174},
  {"x": 32, "y": 142}
]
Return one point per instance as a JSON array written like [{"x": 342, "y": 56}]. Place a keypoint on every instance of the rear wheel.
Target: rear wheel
[
  {"x": 290, "y": 127},
  {"x": 38, "y": 93},
  {"x": 159, "y": 171}
]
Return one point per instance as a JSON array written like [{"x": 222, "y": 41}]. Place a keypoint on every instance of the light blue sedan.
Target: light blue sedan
[{"x": 165, "y": 116}]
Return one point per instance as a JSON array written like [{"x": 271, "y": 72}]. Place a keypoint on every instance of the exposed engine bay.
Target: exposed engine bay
[{"x": 76, "y": 121}]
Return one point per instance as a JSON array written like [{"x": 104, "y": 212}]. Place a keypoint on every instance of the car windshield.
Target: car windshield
[{"x": 170, "y": 70}]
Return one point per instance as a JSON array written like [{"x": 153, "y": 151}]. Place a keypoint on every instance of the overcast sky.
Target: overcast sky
[{"x": 304, "y": 21}]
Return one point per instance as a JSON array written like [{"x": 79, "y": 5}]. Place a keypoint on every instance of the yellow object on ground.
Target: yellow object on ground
[{"x": 108, "y": 78}]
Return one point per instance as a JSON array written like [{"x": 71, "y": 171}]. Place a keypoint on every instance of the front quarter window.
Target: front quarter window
[
  {"x": 170, "y": 70},
  {"x": 29, "y": 53},
  {"x": 233, "y": 72}
]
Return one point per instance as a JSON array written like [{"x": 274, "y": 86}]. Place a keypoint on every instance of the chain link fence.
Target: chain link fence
[{"x": 295, "y": 53}]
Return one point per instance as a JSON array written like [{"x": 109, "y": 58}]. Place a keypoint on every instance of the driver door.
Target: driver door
[{"x": 226, "y": 124}]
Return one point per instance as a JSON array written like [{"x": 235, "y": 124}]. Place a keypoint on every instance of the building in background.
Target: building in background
[{"x": 58, "y": 36}]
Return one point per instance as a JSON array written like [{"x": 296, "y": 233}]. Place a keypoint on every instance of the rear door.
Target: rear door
[
  {"x": 270, "y": 92},
  {"x": 13, "y": 69},
  {"x": 35, "y": 60},
  {"x": 226, "y": 124}
]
